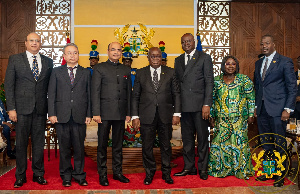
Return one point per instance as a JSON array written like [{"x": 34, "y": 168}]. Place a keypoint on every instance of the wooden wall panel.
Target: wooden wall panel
[
  {"x": 17, "y": 19},
  {"x": 249, "y": 21}
]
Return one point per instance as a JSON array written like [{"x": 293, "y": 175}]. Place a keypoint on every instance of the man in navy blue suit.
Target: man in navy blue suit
[
  {"x": 5, "y": 122},
  {"x": 276, "y": 88}
]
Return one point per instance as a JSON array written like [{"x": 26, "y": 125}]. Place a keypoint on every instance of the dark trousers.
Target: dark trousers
[
  {"x": 192, "y": 124},
  {"x": 69, "y": 135},
  {"x": 6, "y": 133},
  {"x": 118, "y": 128},
  {"x": 276, "y": 127},
  {"x": 34, "y": 125},
  {"x": 148, "y": 132}
]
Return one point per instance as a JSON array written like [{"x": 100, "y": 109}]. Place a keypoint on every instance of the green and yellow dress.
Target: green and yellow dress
[{"x": 232, "y": 105}]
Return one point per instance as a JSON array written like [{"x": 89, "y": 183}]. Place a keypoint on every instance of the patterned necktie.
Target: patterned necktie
[
  {"x": 35, "y": 68},
  {"x": 188, "y": 56},
  {"x": 155, "y": 80},
  {"x": 263, "y": 75},
  {"x": 71, "y": 74}
]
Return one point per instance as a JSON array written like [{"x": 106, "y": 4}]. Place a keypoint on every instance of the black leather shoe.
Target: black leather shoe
[
  {"x": 186, "y": 172},
  {"x": 279, "y": 181},
  {"x": 261, "y": 178},
  {"x": 120, "y": 177},
  {"x": 103, "y": 180},
  {"x": 203, "y": 175},
  {"x": 19, "y": 183},
  {"x": 168, "y": 179},
  {"x": 40, "y": 180},
  {"x": 66, "y": 183},
  {"x": 82, "y": 182},
  {"x": 148, "y": 180}
]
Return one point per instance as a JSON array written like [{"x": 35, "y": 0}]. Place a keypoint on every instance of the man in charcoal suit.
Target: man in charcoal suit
[
  {"x": 194, "y": 70},
  {"x": 111, "y": 92},
  {"x": 26, "y": 85},
  {"x": 156, "y": 105},
  {"x": 275, "y": 90},
  {"x": 69, "y": 106}
]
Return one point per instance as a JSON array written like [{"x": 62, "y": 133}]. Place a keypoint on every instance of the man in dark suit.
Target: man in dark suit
[
  {"x": 276, "y": 88},
  {"x": 111, "y": 92},
  {"x": 156, "y": 105},
  {"x": 194, "y": 70},
  {"x": 69, "y": 106},
  {"x": 26, "y": 85}
]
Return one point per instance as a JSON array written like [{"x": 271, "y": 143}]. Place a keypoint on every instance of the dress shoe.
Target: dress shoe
[
  {"x": 148, "y": 180},
  {"x": 186, "y": 172},
  {"x": 103, "y": 180},
  {"x": 120, "y": 177},
  {"x": 279, "y": 181},
  {"x": 82, "y": 182},
  {"x": 203, "y": 175},
  {"x": 19, "y": 183},
  {"x": 66, "y": 183},
  {"x": 40, "y": 180},
  {"x": 261, "y": 178},
  {"x": 168, "y": 179}
]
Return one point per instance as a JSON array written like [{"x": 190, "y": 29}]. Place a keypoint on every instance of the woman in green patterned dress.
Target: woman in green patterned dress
[{"x": 231, "y": 112}]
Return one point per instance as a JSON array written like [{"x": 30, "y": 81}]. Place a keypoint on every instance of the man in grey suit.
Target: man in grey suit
[
  {"x": 156, "y": 105},
  {"x": 26, "y": 85},
  {"x": 69, "y": 104},
  {"x": 111, "y": 92},
  {"x": 194, "y": 69}
]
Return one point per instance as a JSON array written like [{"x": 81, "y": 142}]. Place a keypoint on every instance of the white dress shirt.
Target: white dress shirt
[
  {"x": 38, "y": 59},
  {"x": 186, "y": 56},
  {"x": 74, "y": 70}
]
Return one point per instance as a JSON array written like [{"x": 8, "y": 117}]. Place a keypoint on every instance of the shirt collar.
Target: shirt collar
[
  {"x": 74, "y": 66},
  {"x": 191, "y": 54},
  {"x": 271, "y": 56},
  {"x": 157, "y": 69},
  {"x": 29, "y": 54}
]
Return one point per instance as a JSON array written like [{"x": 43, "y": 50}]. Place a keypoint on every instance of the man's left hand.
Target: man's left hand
[
  {"x": 176, "y": 120},
  {"x": 88, "y": 120},
  {"x": 205, "y": 112},
  {"x": 128, "y": 119},
  {"x": 285, "y": 115}
]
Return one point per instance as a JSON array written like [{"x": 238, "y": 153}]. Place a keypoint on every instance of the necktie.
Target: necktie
[
  {"x": 155, "y": 80},
  {"x": 35, "y": 68},
  {"x": 188, "y": 56},
  {"x": 71, "y": 74},
  {"x": 264, "y": 70}
]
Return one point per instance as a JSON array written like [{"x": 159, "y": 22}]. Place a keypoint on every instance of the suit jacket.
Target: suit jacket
[
  {"x": 66, "y": 100},
  {"x": 279, "y": 87},
  {"x": 145, "y": 100},
  {"x": 22, "y": 92},
  {"x": 197, "y": 81},
  {"x": 111, "y": 90}
]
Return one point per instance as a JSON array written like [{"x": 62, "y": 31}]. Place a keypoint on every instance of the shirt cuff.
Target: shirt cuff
[
  {"x": 177, "y": 115},
  {"x": 135, "y": 117}
]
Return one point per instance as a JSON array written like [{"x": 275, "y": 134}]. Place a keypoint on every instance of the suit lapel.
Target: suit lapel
[
  {"x": 28, "y": 69},
  {"x": 162, "y": 76},
  {"x": 65, "y": 74},
  {"x": 44, "y": 68},
  {"x": 191, "y": 63},
  {"x": 78, "y": 74},
  {"x": 273, "y": 64},
  {"x": 149, "y": 77}
]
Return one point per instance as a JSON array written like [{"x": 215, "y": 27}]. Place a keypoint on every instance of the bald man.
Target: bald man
[
  {"x": 26, "y": 85},
  {"x": 111, "y": 92}
]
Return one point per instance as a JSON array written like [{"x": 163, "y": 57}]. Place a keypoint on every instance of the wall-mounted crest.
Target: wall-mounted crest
[{"x": 139, "y": 39}]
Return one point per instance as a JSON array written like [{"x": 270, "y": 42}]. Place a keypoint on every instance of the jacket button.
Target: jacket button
[{"x": 71, "y": 100}]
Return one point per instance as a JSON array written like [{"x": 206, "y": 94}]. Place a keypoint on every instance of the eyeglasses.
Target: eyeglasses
[
  {"x": 234, "y": 64},
  {"x": 155, "y": 56},
  {"x": 69, "y": 53},
  {"x": 34, "y": 40}
]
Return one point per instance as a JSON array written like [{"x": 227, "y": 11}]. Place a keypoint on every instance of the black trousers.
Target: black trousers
[
  {"x": 148, "y": 132},
  {"x": 192, "y": 124},
  {"x": 69, "y": 135},
  {"x": 118, "y": 129},
  {"x": 32, "y": 124}
]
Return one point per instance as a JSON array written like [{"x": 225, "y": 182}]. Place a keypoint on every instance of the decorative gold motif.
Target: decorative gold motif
[
  {"x": 139, "y": 39},
  {"x": 258, "y": 160}
]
